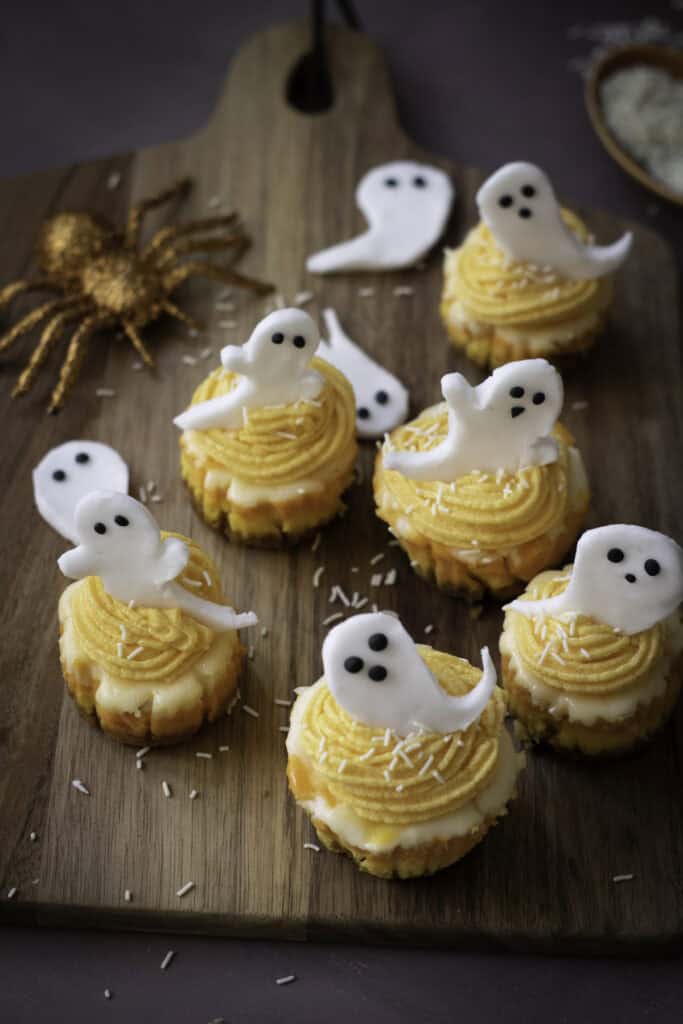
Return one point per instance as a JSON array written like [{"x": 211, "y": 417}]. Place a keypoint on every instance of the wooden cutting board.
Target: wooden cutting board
[{"x": 543, "y": 878}]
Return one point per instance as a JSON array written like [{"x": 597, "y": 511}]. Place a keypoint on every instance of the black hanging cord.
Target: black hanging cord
[{"x": 309, "y": 86}]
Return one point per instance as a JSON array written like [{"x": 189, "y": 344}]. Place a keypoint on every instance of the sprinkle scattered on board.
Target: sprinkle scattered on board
[{"x": 286, "y": 980}]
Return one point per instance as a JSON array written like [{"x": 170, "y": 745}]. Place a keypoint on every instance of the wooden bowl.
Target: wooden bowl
[{"x": 653, "y": 56}]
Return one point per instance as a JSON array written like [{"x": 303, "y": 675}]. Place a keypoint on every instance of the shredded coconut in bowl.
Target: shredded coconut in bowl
[{"x": 644, "y": 110}]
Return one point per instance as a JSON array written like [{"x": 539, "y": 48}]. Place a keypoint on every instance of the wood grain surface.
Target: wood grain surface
[{"x": 543, "y": 877}]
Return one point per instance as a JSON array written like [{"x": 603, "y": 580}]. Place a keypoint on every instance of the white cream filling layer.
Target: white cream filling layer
[
  {"x": 538, "y": 339},
  {"x": 378, "y": 838},
  {"x": 608, "y": 707}
]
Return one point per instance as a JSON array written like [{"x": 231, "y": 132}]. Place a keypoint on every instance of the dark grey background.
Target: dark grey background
[{"x": 482, "y": 82}]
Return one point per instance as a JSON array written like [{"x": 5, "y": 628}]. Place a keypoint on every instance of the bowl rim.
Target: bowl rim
[{"x": 665, "y": 57}]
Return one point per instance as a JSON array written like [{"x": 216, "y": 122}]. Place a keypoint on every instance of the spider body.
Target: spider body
[{"x": 103, "y": 279}]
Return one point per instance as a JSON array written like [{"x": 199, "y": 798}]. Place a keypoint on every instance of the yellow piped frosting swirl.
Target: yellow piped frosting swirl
[
  {"x": 578, "y": 654},
  {"x": 480, "y": 511},
  {"x": 424, "y": 776},
  {"x": 496, "y": 290},
  {"x": 280, "y": 444},
  {"x": 171, "y": 640}
]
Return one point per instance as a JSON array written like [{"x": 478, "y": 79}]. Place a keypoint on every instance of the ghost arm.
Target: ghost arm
[
  {"x": 174, "y": 557},
  {"x": 542, "y": 452},
  {"x": 463, "y": 711},
  {"x": 77, "y": 563},
  {"x": 235, "y": 358},
  {"x": 552, "y": 606},
  {"x": 356, "y": 254},
  {"x": 224, "y": 411},
  {"x": 311, "y": 384},
  {"x": 431, "y": 465},
  {"x": 458, "y": 392},
  {"x": 598, "y": 260},
  {"x": 219, "y": 617}
]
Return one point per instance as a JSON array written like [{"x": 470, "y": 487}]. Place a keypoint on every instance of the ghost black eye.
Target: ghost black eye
[
  {"x": 517, "y": 392},
  {"x": 539, "y": 398},
  {"x": 277, "y": 338},
  {"x": 378, "y": 642},
  {"x": 59, "y": 475},
  {"x": 377, "y": 673},
  {"x": 505, "y": 201},
  {"x": 528, "y": 191},
  {"x": 615, "y": 555},
  {"x": 82, "y": 458},
  {"x": 391, "y": 182},
  {"x": 381, "y": 397},
  {"x": 353, "y": 664},
  {"x": 420, "y": 182},
  {"x": 363, "y": 413},
  {"x": 299, "y": 342},
  {"x": 100, "y": 528},
  {"x": 121, "y": 521},
  {"x": 652, "y": 567}
]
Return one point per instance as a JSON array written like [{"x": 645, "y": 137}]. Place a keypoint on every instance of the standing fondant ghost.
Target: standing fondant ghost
[
  {"x": 375, "y": 672},
  {"x": 503, "y": 423},
  {"x": 381, "y": 399},
  {"x": 518, "y": 205},
  {"x": 119, "y": 541},
  {"x": 273, "y": 367},
  {"x": 625, "y": 576},
  {"x": 67, "y": 473},
  {"x": 406, "y": 206}
]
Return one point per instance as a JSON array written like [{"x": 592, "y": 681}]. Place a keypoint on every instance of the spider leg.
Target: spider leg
[
  {"x": 16, "y": 288},
  {"x": 31, "y": 319},
  {"x": 173, "y": 231},
  {"x": 202, "y": 268},
  {"x": 74, "y": 358},
  {"x": 138, "y": 344},
  {"x": 179, "y": 314},
  {"x": 189, "y": 245},
  {"x": 50, "y": 334},
  {"x": 137, "y": 213}
]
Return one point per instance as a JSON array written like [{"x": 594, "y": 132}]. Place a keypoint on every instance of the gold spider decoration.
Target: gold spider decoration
[{"x": 103, "y": 279}]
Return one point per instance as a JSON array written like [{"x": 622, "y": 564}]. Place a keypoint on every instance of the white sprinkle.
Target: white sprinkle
[
  {"x": 136, "y": 366},
  {"x": 107, "y": 993},
  {"x": 286, "y": 980},
  {"x": 139, "y": 764},
  {"x": 386, "y": 774},
  {"x": 438, "y": 776},
  {"x": 80, "y": 786},
  {"x": 223, "y": 748},
  {"x": 365, "y": 293},
  {"x": 283, "y": 728},
  {"x": 245, "y": 416},
  {"x": 317, "y": 574},
  {"x": 191, "y": 583},
  {"x": 251, "y": 652},
  {"x": 367, "y": 755},
  {"x": 206, "y": 353},
  {"x": 127, "y": 895},
  {"x": 404, "y": 289},
  {"x": 279, "y": 301},
  {"x": 33, "y": 836},
  {"x": 404, "y": 757},
  {"x": 312, "y": 846},
  {"x": 342, "y": 597},
  {"x": 557, "y": 657},
  {"x": 189, "y": 360},
  {"x": 287, "y": 436},
  {"x": 387, "y": 737},
  {"x": 584, "y": 652},
  {"x": 226, "y": 307},
  {"x": 119, "y": 650},
  {"x": 400, "y": 787},
  {"x": 184, "y": 889},
  {"x": 377, "y": 558},
  {"x": 214, "y": 202},
  {"x": 623, "y": 878},
  {"x": 166, "y": 789},
  {"x": 333, "y": 618},
  {"x": 105, "y": 392},
  {"x": 142, "y": 495},
  {"x": 142, "y": 751},
  {"x": 194, "y": 793},
  {"x": 390, "y": 578},
  {"x": 321, "y": 745},
  {"x": 282, "y": 703},
  {"x": 204, "y": 754},
  {"x": 342, "y": 766},
  {"x": 316, "y": 543},
  {"x": 156, "y": 498},
  {"x": 11, "y": 893},
  {"x": 134, "y": 653},
  {"x": 361, "y": 604},
  {"x": 578, "y": 406},
  {"x": 427, "y": 765},
  {"x": 207, "y": 577},
  {"x": 167, "y": 959},
  {"x": 193, "y": 332},
  {"x": 250, "y": 711},
  {"x": 544, "y": 652},
  {"x": 301, "y": 298},
  {"x": 376, "y": 579},
  {"x": 114, "y": 180},
  {"x": 429, "y": 629}
]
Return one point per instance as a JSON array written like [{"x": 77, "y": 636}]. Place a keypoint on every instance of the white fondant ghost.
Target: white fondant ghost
[
  {"x": 502, "y": 423},
  {"x": 406, "y": 206},
  {"x": 518, "y": 205},
  {"x": 274, "y": 369},
  {"x": 67, "y": 473},
  {"x": 119, "y": 541},
  {"x": 375, "y": 672},
  {"x": 381, "y": 399},
  {"x": 625, "y": 576}
]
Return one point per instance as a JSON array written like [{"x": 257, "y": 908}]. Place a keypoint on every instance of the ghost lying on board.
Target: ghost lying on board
[
  {"x": 625, "y": 576},
  {"x": 406, "y": 206},
  {"x": 119, "y": 541},
  {"x": 381, "y": 399},
  {"x": 518, "y": 205},
  {"x": 503, "y": 423},
  {"x": 273, "y": 367},
  {"x": 67, "y": 473},
  {"x": 375, "y": 672}
]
